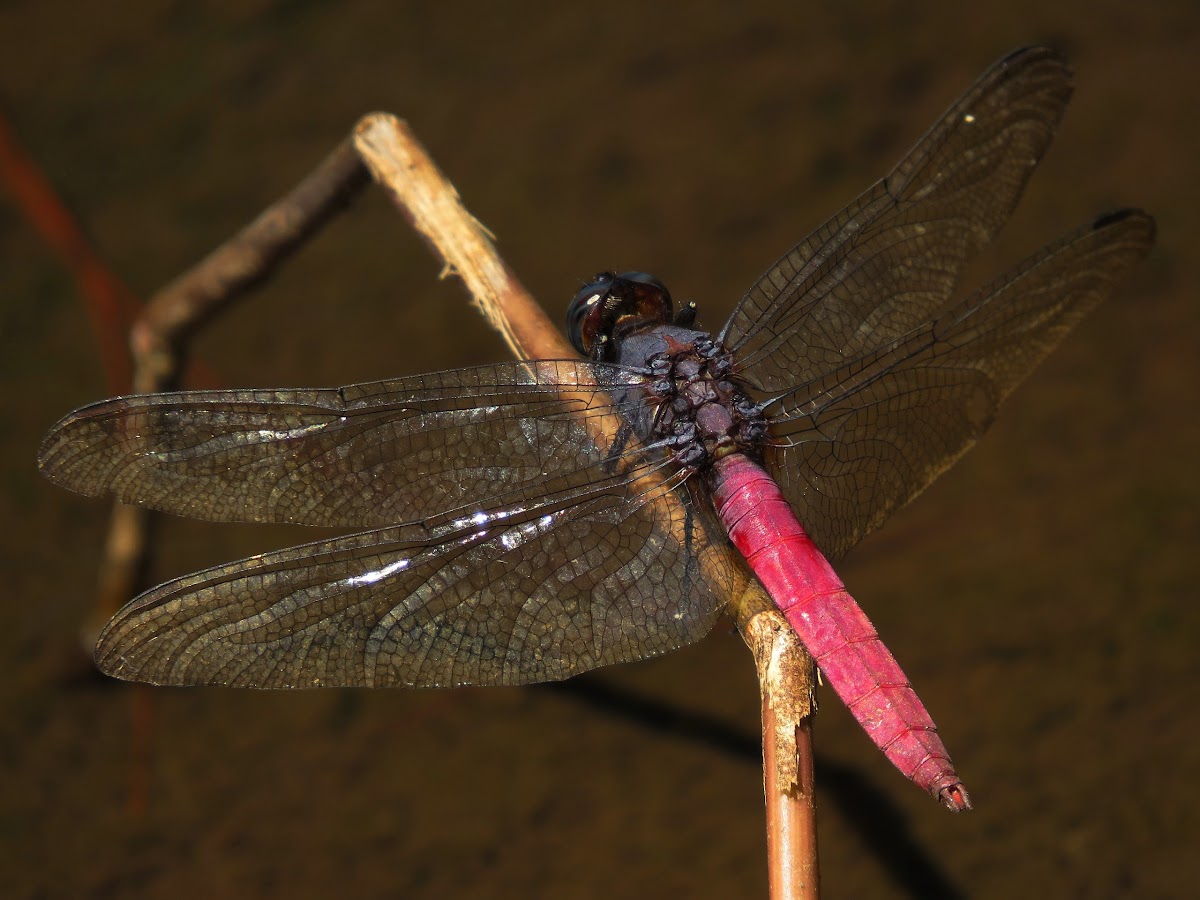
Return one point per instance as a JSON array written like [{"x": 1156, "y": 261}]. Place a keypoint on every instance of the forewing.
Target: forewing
[
  {"x": 856, "y": 444},
  {"x": 609, "y": 564},
  {"x": 891, "y": 259},
  {"x": 362, "y": 456}
]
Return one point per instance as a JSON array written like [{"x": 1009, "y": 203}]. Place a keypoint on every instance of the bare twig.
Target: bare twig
[
  {"x": 158, "y": 340},
  {"x": 785, "y": 671},
  {"x": 159, "y": 335},
  {"x": 792, "y": 865},
  {"x": 245, "y": 260},
  {"x": 787, "y": 684},
  {"x": 431, "y": 204},
  {"x": 429, "y": 201}
]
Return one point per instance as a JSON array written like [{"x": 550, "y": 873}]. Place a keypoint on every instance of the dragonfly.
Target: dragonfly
[{"x": 531, "y": 520}]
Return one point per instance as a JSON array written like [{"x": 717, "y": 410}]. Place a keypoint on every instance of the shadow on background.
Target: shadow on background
[{"x": 870, "y": 812}]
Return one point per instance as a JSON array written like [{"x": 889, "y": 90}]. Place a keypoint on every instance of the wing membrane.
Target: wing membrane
[
  {"x": 892, "y": 258},
  {"x": 856, "y": 444},
  {"x": 362, "y": 456},
  {"x": 602, "y": 569}
]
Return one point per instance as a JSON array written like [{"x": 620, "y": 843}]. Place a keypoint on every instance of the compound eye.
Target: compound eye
[
  {"x": 585, "y": 315},
  {"x": 644, "y": 278},
  {"x": 647, "y": 296},
  {"x": 649, "y": 281}
]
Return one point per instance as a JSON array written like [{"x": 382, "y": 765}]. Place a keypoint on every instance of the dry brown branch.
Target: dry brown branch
[
  {"x": 245, "y": 260},
  {"x": 158, "y": 338},
  {"x": 785, "y": 671},
  {"x": 430, "y": 203}
]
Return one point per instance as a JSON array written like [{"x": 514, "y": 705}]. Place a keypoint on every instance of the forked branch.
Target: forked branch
[
  {"x": 785, "y": 672},
  {"x": 383, "y": 145}
]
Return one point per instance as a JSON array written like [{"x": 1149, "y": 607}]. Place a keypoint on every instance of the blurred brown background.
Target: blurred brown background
[{"x": 1041, "y": 595}]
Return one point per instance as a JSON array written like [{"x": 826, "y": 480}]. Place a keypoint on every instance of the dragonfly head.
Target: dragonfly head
[{"x": 611, "y": 306}]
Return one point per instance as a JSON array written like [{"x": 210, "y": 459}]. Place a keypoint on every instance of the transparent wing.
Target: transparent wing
[
  {"x": 362, "y": 456},
  {"x": 854, "y": 445},
  {"x": 891, "y": 259},
  {"x": 568, "y": 546},
  {"x": 610, "y": 563}
]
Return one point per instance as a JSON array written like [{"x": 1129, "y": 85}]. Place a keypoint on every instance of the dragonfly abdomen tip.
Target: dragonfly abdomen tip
[{"x": 955, "y": 798}]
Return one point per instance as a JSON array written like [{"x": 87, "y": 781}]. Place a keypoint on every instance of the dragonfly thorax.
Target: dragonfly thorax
[{"x": 702, "y": 413}]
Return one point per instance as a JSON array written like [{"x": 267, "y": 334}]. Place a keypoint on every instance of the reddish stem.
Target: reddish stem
[
  {"x": 786, "y": 680},
  {"x": 110, "y": 304}
]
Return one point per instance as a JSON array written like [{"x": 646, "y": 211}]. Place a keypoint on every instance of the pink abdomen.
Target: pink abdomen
[{"x": 832, "y": 626}]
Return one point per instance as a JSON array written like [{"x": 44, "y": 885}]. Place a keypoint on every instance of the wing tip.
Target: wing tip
[
  {"x": 1131, "y": 217},
  {"x": 121, "y": 648},
  {"x": 59, "y": 452},
  {"x": 51, "y": 447},
  {"x": 1032, "y": 55},
  {"x": 106, "y": 655}
]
